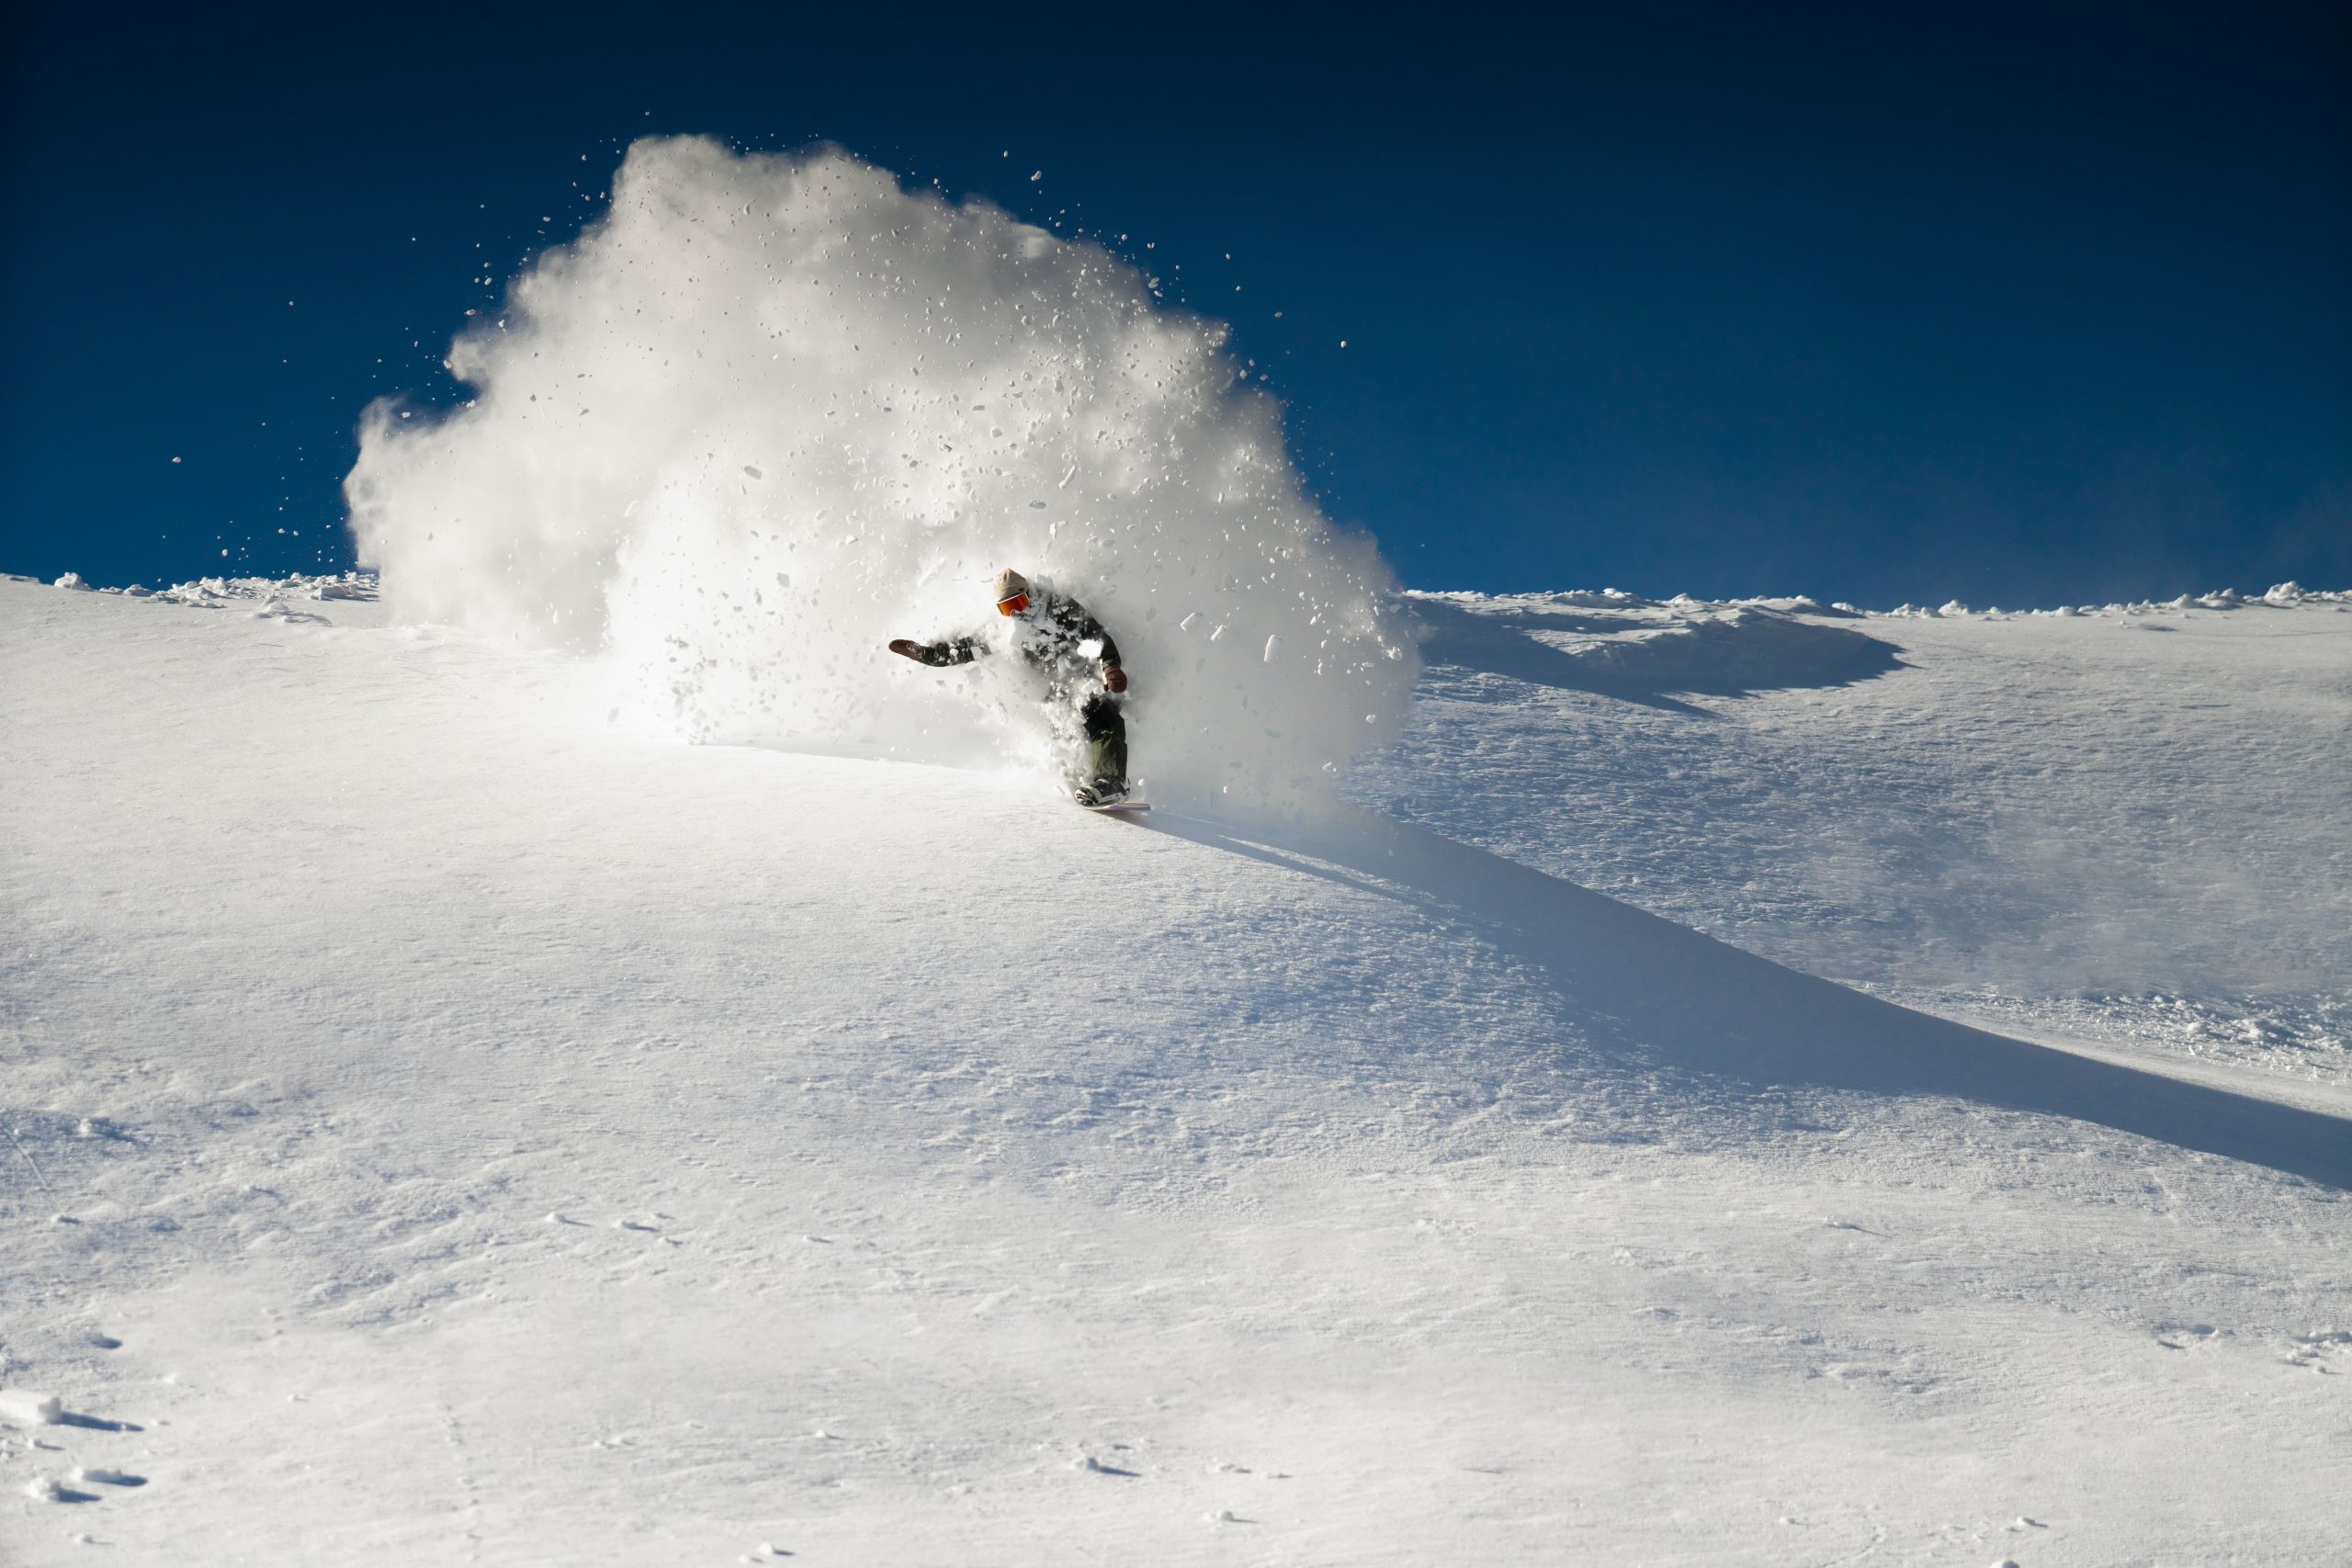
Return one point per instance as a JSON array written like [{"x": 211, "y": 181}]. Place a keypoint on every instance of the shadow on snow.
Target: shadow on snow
[{"x": 1650, "y": 985}]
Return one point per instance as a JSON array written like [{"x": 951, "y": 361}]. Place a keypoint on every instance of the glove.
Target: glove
[
  {"x": 905, "y": 648},
  {"x": 1114, "y": 678}
]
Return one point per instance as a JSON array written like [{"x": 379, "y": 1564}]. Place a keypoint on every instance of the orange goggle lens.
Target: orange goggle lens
[{"x": 1012, "y": 605}]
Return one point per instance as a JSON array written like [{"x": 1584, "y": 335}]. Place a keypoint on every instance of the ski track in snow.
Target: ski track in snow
[{"x": 447, "y": 1130}]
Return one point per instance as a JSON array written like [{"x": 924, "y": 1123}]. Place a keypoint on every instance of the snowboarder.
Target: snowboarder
[{"x": 1056, "y": 635}]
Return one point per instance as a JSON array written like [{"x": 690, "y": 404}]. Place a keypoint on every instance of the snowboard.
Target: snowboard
[{"x": 1113, "y": 808}]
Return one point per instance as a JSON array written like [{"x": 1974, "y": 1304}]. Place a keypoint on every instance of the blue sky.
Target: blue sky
[{"x": 2021, "y": 305}]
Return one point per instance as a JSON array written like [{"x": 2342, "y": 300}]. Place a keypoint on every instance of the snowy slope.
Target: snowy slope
[
  {"x": 451, "y": 1129},
  {"x": 2131, "y": 823}
]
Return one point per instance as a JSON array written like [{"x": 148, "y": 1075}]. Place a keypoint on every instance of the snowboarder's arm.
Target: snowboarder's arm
[
  {"x": 1115, "y": 675},
  {"x": 956, "y": 650}
]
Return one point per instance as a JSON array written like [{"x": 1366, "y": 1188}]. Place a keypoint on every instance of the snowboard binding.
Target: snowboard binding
[{"x": 1106, "y": 795}]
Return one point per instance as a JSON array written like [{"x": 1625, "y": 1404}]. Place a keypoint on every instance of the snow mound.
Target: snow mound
[
  {"x": 1624, "y": 647},
  {"x": 773, "y": 410},
  {"x": 219, "y": 592},
  {"x": 26, "y": 1408},
  {"x": 2279, "y": 596}
]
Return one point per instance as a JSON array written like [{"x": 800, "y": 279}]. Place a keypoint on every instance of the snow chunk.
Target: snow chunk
[
  {"x": 72, "y": 580},
  {"x": 29, "y": 1409},
  {"x": 100, "y": 1475}
]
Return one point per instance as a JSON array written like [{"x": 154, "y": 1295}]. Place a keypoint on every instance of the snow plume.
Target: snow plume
[{"x": 773, "y": 410}]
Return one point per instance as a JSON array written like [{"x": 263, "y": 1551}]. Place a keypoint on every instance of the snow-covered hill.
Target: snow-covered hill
[
  {"x": 449, "y": 1127},
  {"x": 2131, "y": 823}
]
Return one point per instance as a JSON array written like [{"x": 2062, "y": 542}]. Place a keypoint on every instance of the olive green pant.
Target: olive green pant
[{"x": 1107, "y": 739}]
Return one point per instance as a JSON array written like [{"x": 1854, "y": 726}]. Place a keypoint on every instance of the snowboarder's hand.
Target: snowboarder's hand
[
  {"x": 905, "y": 648},
  {"x": 1114, "y": 678}
]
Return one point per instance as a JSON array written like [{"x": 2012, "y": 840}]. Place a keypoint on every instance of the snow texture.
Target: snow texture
[
  {"x": 449, "y": 1127},
  {"x": 771, "y": 411},
  {"x": 2014, "y": 830}
]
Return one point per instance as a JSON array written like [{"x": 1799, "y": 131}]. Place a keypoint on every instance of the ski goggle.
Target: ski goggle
[{"x": 1012, "y": 604}]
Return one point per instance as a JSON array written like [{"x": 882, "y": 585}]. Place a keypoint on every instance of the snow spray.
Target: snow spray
[{"x": 773, "y": 410}]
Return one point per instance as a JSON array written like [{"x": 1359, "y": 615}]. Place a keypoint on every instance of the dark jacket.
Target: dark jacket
[{"x": 1057, "y": 635}]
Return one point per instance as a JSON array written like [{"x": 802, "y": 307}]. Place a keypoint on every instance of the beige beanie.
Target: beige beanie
[{"x": 1010, "y": 582}]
